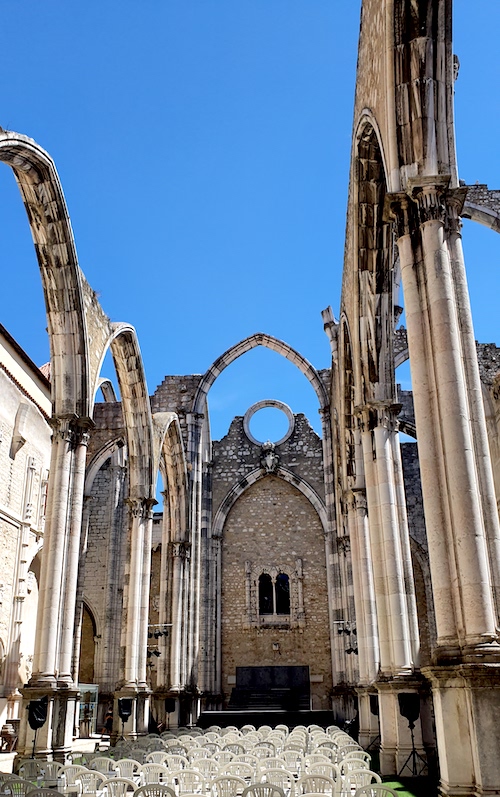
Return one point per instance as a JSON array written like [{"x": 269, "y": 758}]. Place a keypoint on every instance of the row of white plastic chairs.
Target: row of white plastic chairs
[
  {"x": 122, "y": 787},
  {"x": 210, "y": 743},
  {"x": 204, "y": 776}
]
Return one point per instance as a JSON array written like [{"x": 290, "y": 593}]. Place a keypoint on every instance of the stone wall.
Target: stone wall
[
  {"x": 25, "y": 444},
  {"x": 104, "y": 566},
  {"x": 235, "y": 456},
  {"x": 273, "y": 525},
  {"x": 176, "y": 394}
]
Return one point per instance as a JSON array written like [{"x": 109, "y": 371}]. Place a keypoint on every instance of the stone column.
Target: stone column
[
  {"x": 394, "y": 582},
  {"x": 478, "y": 420},
  {"x": 364, "y": 596},
  {"x": 465, "y": 616},
  {"x": 178, "y": 551},
  {"x": 53, "y": 562},
  {"x": 451, "y": 431},
  {"x": 376, "y": 547},
  {"x": 65, "y": 674},
  {"x": 132, "y": 637},
  {"x": 146, "y": 579}
]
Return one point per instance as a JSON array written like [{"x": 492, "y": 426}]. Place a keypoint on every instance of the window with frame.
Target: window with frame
[{"x": 274, "y": 594}]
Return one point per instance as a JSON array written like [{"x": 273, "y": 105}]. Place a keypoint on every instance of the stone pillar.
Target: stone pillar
[
  {"x": 179, "y": 551},
  {"x": 369, "y": 727},
  {"x": 53, "y": 562},
  {"x": 79, "y": 590},
  {"x": 364, "y": 593},
  {"x": 132, "y": 638},
  {"x": 65, "y": 674},
  {"x": 378, "y": 427},
  {"x": 478, "y": 420},
  {"x": 465, "y": 616},
  {"x": 144, "y": 611},
  {"x": 456, "y": 486}
]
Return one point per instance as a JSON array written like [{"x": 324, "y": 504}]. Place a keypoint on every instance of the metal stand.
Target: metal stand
[
  {"x": 34, "y": 743},
  {"x": 415, "y": 762}
]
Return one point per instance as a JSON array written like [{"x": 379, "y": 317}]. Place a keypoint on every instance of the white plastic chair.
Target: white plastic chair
[
  {"x": 154, "y": 773},
  {"x": 118, "y": 787},
  {"x": 227, "y": 786}
]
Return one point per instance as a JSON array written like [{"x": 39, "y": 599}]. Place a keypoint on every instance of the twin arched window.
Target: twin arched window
[{"x": 274, "y": 594}]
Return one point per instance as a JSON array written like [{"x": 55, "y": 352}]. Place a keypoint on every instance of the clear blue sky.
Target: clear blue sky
[{"x": 203, "y": 147}]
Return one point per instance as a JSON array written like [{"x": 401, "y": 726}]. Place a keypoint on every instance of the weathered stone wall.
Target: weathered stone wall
[
  {"x": 104, "y": 566},
  {"x": 235, "y": 456},
  {"x": 176, "y": 394},
  {"x": 272, "y": 524},
  {"x": 25, "y": 444},
  {"x": 109, "y": 425}
]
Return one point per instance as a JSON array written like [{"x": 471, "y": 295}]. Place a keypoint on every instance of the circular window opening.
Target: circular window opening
[
  {"x": 269, "y": 423},
  {"x": 268, "y": 420}
]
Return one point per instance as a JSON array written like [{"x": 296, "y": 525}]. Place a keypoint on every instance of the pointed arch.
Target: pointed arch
[
  {"x": 256, "y": 475},
  {"x": 136, "y": 409},
  {"x": 268, "y": 342},
  {"x": 62, "y": 280},
  {"x": 169, "y": 458}
]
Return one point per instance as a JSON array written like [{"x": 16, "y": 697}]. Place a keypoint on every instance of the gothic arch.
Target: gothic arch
[
  {"x": 62, "y": 280},
  {"x": 170, "y": 459},
  {"x": 255, "y": 476},
  {"x": 347, "y": 397},
  {"x": 373, "y": 265},
  {"x": 136, "y": 409},
  {"x": 484, "y": 215},
  {"x": 98, "y": 461},
  {"x": 268, "y": 342}
]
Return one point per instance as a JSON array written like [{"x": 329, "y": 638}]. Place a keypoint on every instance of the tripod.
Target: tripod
[{"x": 415, "y": 762}]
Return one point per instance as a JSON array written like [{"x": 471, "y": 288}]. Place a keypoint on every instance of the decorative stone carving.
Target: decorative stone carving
[{"x": 269, "y": 459}]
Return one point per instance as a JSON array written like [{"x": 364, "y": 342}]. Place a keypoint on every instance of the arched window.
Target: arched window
[
  {"x": 266, "y": 594},
  {"x": 274, "y": 594},
  {"x": 282, "y": 588}
]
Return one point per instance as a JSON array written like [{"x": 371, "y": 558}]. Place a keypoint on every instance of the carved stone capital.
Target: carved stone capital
[
  {"x": 378, "y": 414},
  {"x": 343, "y": 545},
  {"x": 71, "y": 429},
  {"x": 180, "y": 549},
  {"x": 141, "y": 507},
  {"x": 399, "y": 209}
]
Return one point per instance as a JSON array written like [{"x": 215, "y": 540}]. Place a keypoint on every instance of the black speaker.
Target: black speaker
[
  {"x": 37, "y": 712},
  {"x": 169, "y": 705},
  {"x": 409, "y": 706},
  {"x": 124, "y": 708},
  {"x": 374, "y": 705}
]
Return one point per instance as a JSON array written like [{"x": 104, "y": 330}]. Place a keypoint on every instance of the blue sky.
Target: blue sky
[{"x": 203, "y": 147}]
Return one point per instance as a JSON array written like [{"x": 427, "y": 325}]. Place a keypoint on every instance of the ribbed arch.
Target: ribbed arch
[
  {"x": 99, "y": 459},
  {"x": 255, "y": 476},
  {"x": 170, "y": 460},
  {"x": 62, "y": 280},
  {"x": 268, "y": 342},
  {"x": 136, "y": 410}
]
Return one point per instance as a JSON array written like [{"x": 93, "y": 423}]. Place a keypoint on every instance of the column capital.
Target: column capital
[
  {"x": 399, "y": 209},
  {"x": 425, "y": 199},
  {"x": 360, "y": 501},
  {"x": 378, "y": 413},
  {"x": 71, "y": 428},
  {"x": 180, "y": 549},
  {"x": 141, "y": 507}
]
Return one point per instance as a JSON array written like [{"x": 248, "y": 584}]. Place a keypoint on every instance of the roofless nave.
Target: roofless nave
[{"x": 335, "y": 557}]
